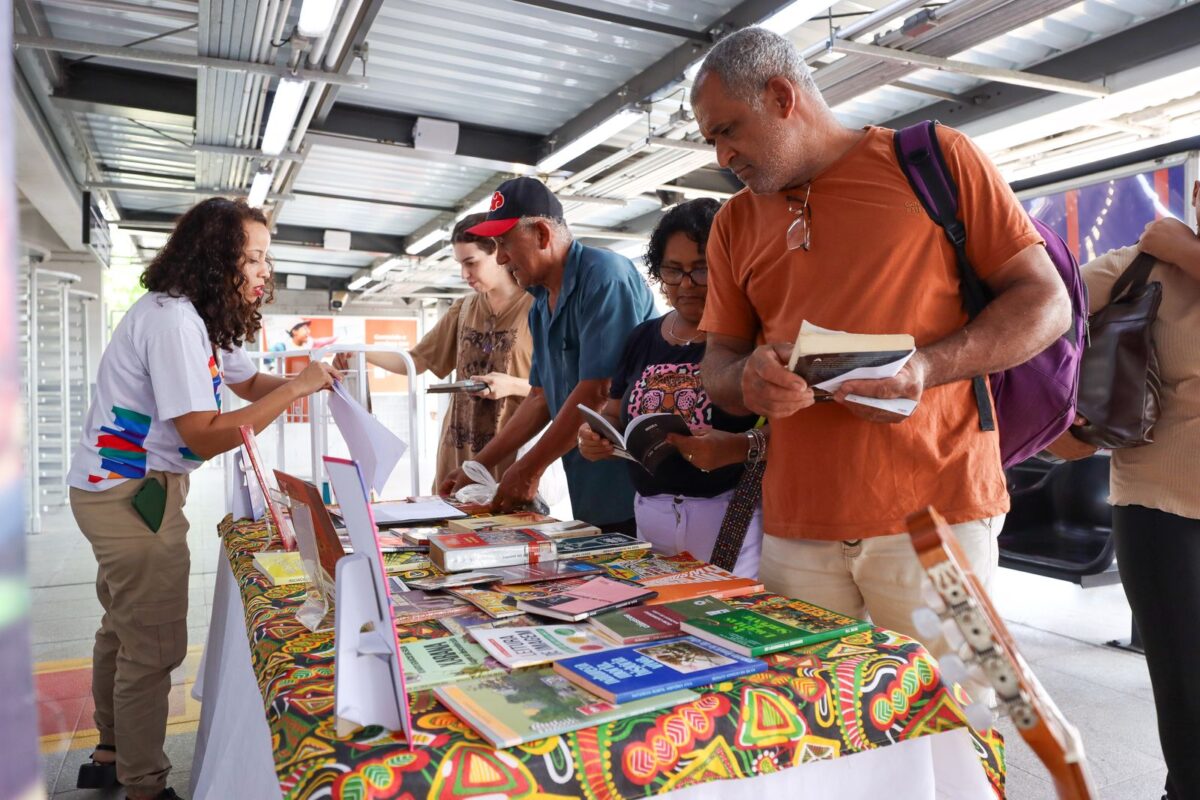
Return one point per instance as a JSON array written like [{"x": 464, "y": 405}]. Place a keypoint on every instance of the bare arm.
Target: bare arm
[
  {"x": 209, "y": 433},
  {"x": 744, "y": 379},
  {"x": 520, "y": 481},
  {"x": 258, "y": 386}
]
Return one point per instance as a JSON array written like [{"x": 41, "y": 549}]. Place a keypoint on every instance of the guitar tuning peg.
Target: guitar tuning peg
[
  {"x": 980, "y": 716},
  {"x": 953, "y": 669},
  {"x": 954, "y": 637},
  {"x": 931, "y": 597},
  {"x": 927, "y": 623}
]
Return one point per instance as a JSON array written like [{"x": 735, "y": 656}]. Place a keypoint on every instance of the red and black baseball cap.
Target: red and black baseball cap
[{"x": 517, "y": 198}]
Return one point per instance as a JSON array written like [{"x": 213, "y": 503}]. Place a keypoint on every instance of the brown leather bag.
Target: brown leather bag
[{"x": 1119, "y": 381}]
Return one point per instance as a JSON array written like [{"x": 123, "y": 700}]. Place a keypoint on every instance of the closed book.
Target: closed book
[
  {"x": 281, "y": 569},
  {"x": 479, "y": 550},
  {"x": 737, "y": 587},
  {"x": 592, "y": 597},
  {"x": 643, "y": 566},
  {"x": 651, "y": 622},
  {"x": 517, "y": 519},
  {"x": 500, "y": 601},
  {"x": 558, "y": 528},
  {"x": 747, "y": 633},
  {"x": 548, "y": 571},
  {"x": 524, "y": 706},
  {"x": 434, "y": 662},
  {"x": 516, "y": 647},
  {"x": 644, "y": 670},
  {"x": 819, "y": 623},
  {"x": 598, "y": 544},
  {"x": 418, "y": 606}
]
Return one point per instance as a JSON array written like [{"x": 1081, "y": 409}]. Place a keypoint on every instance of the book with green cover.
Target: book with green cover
[
  {"x": 525, "y": 706},
  {"x": 438, "y": 661},
  {"x": 746, "y": 632},
  {"x": 810, "y": 618},
  {"x": 647, "y": 623}
]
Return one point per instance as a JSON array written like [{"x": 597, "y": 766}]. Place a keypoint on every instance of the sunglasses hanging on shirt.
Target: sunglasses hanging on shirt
[{"x": 799, "y": 232}]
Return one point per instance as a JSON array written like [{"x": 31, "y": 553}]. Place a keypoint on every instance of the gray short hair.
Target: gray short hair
[
  {"x": 747, "y": 59},
  {"x": 558, "y": 226}
]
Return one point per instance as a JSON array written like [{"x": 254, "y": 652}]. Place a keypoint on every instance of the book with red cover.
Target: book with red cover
[
  {"x": 486, "y": 549},
  {"x": 270, "y": 490}
]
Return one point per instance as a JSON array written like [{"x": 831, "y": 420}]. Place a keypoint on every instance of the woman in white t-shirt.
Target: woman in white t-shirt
[{"x": 154, "y": 418}]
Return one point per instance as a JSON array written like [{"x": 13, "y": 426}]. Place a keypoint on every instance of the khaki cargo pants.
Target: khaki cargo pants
[{"x": 142, "y": 583}]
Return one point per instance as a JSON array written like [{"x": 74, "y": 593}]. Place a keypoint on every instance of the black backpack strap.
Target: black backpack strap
[
  {"x": 924, "y": 165},
  {"x": 1134, "y": 277}
]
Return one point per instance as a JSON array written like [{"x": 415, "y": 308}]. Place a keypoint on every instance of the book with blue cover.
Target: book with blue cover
[{"x": 646, "y": 670}]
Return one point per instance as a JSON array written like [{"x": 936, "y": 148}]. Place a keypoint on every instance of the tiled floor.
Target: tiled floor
[{"x": 1059, "y": 627}]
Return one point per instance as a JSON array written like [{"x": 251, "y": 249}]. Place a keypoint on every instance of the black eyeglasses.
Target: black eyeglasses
[{"x": 673, "y": 277}]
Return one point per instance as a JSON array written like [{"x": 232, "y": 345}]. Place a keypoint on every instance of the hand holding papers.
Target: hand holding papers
[
  {"x": 376, "y": 449},
  {"x": 827, "y": 359}
]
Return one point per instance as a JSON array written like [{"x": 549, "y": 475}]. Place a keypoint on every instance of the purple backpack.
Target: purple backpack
[{"x": 1035, "y": 401}]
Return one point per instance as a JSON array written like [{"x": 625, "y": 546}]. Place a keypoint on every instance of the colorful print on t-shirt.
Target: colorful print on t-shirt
[
  {"x": 216, "y": 379},
  {"x": 672, "y": 389},
  {"x": 120, "y": 446}
]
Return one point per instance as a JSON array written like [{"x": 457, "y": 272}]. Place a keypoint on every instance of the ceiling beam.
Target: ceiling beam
[
  {"x": 666, "y": 70},
  {"x": 362, "y": 26},
  {"x": 488, "y": 148},
  {"x": 128, "y": 93},
  {"x": 282, "y": 235},
  {"x": 1130, "y": 48},
  {"x": 624, "y": 20}
]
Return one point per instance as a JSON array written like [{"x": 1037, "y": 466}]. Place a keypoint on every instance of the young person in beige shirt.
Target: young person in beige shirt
[
  {"x": 1155, "y": 490},
  {"x": 484, "y": 337}
]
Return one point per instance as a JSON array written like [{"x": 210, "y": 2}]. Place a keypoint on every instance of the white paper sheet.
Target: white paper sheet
[
  {"x": 393, "y": 513},
  {"x": 376, "y": 449},
  {"x": 902, "y": 406}
]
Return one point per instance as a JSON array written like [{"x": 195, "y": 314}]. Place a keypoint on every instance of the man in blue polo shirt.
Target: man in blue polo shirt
[{"x": 586, "y": 301}]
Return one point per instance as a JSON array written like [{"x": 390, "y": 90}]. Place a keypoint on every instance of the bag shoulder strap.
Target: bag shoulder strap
[
  {"x": 924, "y": 165},
  {"x": 1134, "y": 277}
]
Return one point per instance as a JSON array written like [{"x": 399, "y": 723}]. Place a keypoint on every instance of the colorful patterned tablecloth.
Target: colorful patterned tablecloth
[{"x": 862, "y": 692}]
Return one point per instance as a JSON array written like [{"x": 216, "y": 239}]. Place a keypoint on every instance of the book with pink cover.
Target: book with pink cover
[{"x": 592, "y": 597}]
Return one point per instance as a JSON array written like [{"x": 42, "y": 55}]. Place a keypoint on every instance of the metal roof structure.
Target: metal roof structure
[{"x": 405, "y": 114}]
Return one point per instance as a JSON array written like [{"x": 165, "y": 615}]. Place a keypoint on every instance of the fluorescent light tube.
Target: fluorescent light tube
[
  {"x": 597, "y": 135},
  {"x": 377, "y": 272},
  {"x": 791, "y": 16},
  {"x": 316, "y": 17},
  {"x": 259, "y": 188},
  {"x": 285, "y": 107},
  {"x": 359, "y": 281},
  {"x": 425, "y": 241}
]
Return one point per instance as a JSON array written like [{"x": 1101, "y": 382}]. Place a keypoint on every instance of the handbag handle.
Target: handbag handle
[{"x": 1134, "y": 277}]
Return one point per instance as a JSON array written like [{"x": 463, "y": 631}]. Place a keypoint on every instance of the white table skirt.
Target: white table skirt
[{"x": 234, "y": 759}]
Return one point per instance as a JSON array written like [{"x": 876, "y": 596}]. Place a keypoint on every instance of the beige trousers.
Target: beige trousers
[
  {"x": 879, "y": 578},
  {"x": 142, "y": 583}
]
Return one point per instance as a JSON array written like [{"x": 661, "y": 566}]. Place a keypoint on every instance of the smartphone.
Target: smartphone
[
  {"x": 150, "y": 503},
  {"x": 457, "y": 386}
]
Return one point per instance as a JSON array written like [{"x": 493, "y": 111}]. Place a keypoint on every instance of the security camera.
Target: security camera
[{"x": 337, "y": 300}]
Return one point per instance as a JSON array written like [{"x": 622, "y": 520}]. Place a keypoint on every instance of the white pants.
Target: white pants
[
  {"x": 879, "y": 577},
  {"x": 673, "y": 523}
]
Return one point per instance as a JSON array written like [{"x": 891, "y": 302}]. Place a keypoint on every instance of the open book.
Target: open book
[
  {"x": 826, "y": 359},
  {"x": 645, "y": 437}
]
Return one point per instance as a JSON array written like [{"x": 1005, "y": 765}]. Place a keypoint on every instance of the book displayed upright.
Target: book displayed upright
[
  {"x": 478, "y": 550},
  {"x": 645, "y": 670},
  {"x": 508, "y": 710}
]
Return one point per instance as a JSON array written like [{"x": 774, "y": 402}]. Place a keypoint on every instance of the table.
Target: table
[{"x": 875, "y": 695}]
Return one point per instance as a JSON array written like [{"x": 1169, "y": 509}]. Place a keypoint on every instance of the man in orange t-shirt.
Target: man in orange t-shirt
[{"x": 831, "y": 232}]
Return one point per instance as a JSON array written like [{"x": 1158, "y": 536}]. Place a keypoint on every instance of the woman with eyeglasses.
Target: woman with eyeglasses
[
  {"x": 156, "y": 416},
  {"x": 683, "y": 504}
]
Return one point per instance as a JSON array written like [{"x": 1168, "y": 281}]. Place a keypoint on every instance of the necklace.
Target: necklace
[{"x": 678, "y": 338}]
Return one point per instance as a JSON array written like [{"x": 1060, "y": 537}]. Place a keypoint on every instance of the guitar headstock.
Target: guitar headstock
[{"x": 961, "y": 602}]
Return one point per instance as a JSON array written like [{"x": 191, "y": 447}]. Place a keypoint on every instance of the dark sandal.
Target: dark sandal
[{"x": 98, "y": 774}]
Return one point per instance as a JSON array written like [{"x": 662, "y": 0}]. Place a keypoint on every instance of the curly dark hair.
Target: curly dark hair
[
  {"x": 460, "y": 236},
  {"x": 202, "y": 261},
  {"x": 693, "y": 218}
]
